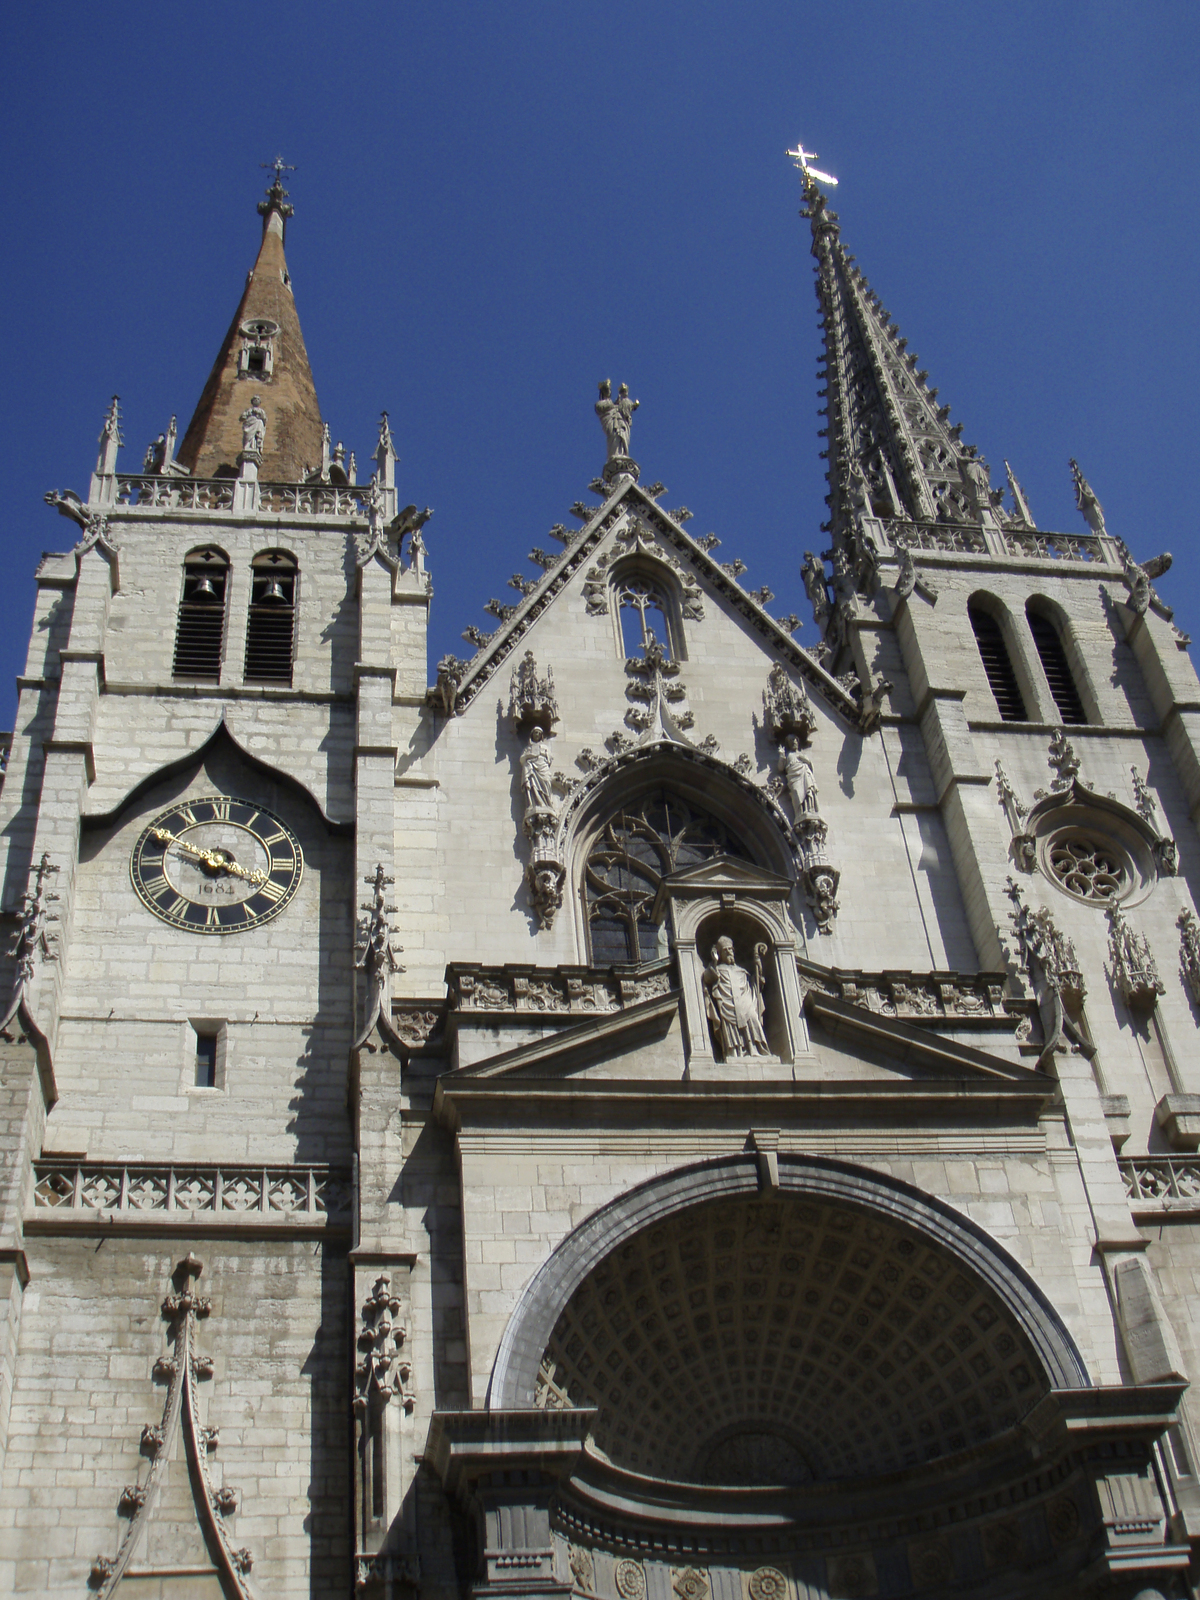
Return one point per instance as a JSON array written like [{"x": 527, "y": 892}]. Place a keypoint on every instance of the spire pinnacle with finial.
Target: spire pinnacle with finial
[{"x": 277, "y": 196}]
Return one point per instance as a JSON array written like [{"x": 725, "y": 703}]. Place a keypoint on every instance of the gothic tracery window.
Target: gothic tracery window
[
  {"x": 642, "y": 610},
  {"x": 644, "y": 841}
]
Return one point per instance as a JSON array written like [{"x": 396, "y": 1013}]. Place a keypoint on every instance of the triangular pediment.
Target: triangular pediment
[
  {"x": 729, "y": 872},
  {"x": 861, "y": 1064},
  {"x": 603, "y": 525}
]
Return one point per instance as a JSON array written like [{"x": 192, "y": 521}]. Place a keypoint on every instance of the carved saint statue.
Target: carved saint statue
[
  {"x": 254, "y": 426},
  {"x": 537, "y": 773},
  {"x": 734, "y": 1001},
  {"x": 616, "y": 418},
  {"x": 813, "y": 574},
  {"x": 797, "y": 773}
]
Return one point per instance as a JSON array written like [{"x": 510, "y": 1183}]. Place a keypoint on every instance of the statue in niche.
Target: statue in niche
[
  {"x": 797, "y": 773},
  {"x": 616, "y": 418},
  {"x": 734, "y": 1001},
  {"x": 537, "y": 773},
  {"x": 254, "y": 426}
]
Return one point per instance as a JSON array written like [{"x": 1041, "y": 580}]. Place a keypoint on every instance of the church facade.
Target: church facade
[{"x": 644, "y": 1110}]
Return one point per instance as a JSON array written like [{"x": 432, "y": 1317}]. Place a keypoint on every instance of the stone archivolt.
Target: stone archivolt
[{"x": 827, "y": 1341}]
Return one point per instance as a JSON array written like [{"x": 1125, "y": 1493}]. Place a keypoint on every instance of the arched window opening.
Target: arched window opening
[
  {"x": 997, "y": 664},
  {"x": 642, "y": 609},
  {"x": 1056, "y": 666},
  {"x": 200, "y": 629},
  {"x": 637, "y": 848},
  {"x": 271, "y": 627}
]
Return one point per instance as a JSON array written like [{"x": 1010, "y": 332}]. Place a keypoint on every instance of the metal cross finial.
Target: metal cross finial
[
  {"x": 279, "y": 166},
  {"x": 801, "y": 159}
]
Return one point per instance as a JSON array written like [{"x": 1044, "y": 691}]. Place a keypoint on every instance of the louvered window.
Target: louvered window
[
  {"x": 271, "y": 625},
  {"x": 996, "y": 663},
  {"x": 200, "y": 630},
  {"x": 1056, "y": 667}
]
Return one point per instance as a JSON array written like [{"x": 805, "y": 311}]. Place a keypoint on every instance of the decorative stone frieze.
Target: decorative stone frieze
[
  {"x": 149, "y": 1196},
  {"x": 389, "y": 1573},
  {"x": 933, "y": 999},
  {"x": 1165, "y": 1182},
  {"x": 577, "y": 990}
]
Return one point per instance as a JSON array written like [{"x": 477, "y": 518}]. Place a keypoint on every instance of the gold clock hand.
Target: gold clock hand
[{"x": 215, "y": 859}]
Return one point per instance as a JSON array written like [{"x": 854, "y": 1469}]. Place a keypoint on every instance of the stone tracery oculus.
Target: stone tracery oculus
[{"x": 1085, "y": 867}]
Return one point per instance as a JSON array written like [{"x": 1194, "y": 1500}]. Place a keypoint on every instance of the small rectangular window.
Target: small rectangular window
[
  {"x": 256, "y": 363},
  {"x": 206, "y": 1060}
]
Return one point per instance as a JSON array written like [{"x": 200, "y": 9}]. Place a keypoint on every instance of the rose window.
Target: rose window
[{"x": 1087, "y": 868}]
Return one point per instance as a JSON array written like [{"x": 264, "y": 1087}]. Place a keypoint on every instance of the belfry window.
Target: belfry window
[
  {"x": 997, "y": 664},
  {"x": 1055, "y": 665},
  {"x": 200, "y": 629},
  {"x": 637, "y": 848},
  {"x": 642, "y": 609},
  {"x": 271, "y": 626}
]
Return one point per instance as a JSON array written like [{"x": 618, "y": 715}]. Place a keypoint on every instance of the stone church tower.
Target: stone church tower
[{"x": 655, "y": 1113}]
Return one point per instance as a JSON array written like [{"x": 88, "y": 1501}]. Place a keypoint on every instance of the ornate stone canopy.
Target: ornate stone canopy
[{"x": 780, "y": 1340}]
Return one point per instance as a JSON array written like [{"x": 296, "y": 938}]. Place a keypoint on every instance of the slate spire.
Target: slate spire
[
  {"x": 262, "y": 354},
  {"x": 892, "y": 452}
]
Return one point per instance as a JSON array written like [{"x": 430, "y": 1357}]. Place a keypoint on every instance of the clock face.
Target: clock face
[{"x": 216, "y": 865}]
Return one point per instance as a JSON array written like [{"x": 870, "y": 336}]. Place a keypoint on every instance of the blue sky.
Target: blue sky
[{"x": 499, "y": 204}]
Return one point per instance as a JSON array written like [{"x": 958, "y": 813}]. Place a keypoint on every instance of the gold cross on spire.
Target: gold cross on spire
[{"x": 801, "y": 158}]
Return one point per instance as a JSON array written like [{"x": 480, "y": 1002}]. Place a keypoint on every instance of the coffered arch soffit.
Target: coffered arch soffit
[{"x": 846, "y": 1324}]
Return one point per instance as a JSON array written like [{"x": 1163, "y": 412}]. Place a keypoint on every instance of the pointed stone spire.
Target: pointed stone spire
[
  {"x": 1021, "y": 512},
  {"x": 892, "y": 452},
  {"x": 263, "y": 353},
  {"x": 1085, "y": 499}
]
